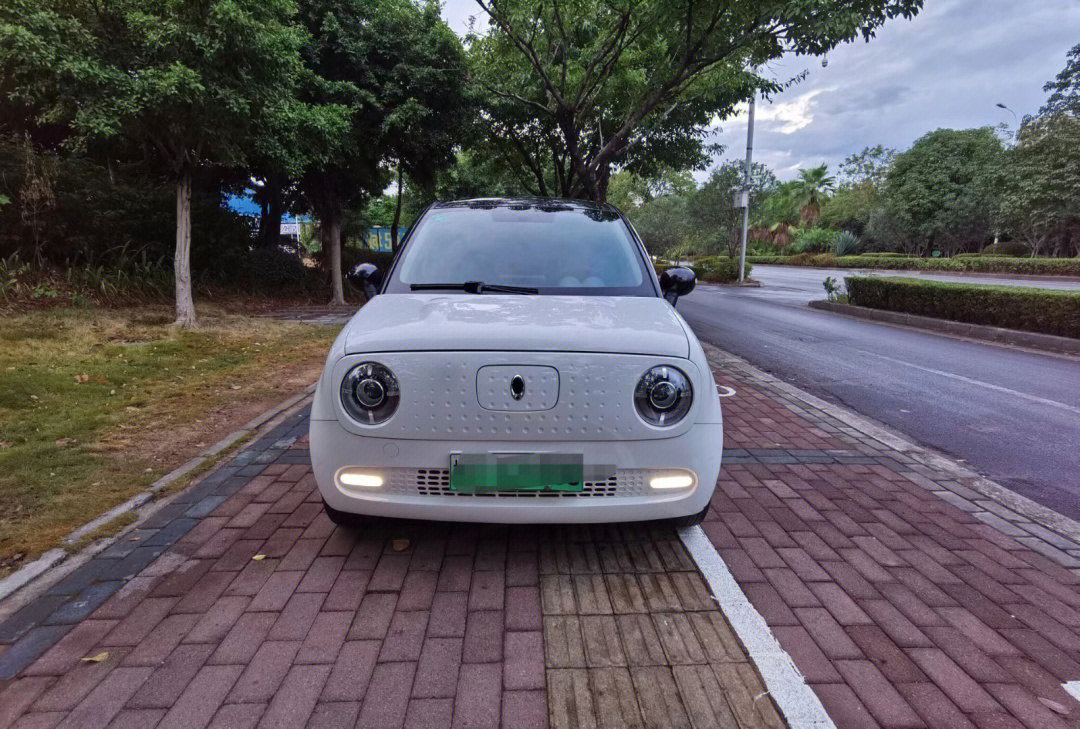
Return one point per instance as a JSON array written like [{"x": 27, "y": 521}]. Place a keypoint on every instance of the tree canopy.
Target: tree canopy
[
  {"x": 1041, "y": 184},
  {"x": 579, "y": 88},
  {"x": 1064, "y": 89},
  {"x": 942, "y": 190},
  {"x": 399, "y": 71},
  {"x": 182, "y": 85}
]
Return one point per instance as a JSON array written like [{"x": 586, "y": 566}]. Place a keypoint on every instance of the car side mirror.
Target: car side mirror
[
  {"x": 367, "y": 277},
  {"x": 677, "y": 281}
]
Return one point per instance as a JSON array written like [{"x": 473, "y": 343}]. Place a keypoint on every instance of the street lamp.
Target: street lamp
[
  {"x": 1015, "y": 115},
  {"x": 745, "y": 198}
]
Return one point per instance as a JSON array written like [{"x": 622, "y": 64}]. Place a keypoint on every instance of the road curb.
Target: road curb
[
  {"x": 996, "y": 335},
  {"x": 1033, "y": 524},
  {"x": 52, "y": 563}
]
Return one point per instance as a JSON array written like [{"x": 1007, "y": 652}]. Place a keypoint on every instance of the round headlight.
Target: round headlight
[
  {"x": 369, "y": 393},
  {"x": 663, "y": 396}
]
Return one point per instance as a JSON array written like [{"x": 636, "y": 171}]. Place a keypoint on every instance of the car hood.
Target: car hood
[{"x": 432, "y": 322}]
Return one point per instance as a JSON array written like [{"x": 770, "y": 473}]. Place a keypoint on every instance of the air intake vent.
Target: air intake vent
[{"x": 436, "y": 482}]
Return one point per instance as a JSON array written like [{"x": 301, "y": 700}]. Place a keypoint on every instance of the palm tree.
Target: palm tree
[{"x": 810, "y": 187}]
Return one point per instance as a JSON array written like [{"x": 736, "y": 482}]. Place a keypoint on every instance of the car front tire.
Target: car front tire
[
  {"x": 342, "y": 518},
  {"x": 692, "y": 520}
]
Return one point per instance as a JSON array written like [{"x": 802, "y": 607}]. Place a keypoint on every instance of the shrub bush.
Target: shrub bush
[
  {"x": 715, "y": 269},
  {"x": 279, "y": 269},
  {"x": 815, "y": 240},
  {"x": 846, "y": 243},
  {"x": 822, "y": 260},
  {"x": 976, "y": 264},
  {"x": 1047, "y": 311},
  {"x": 1007, "y": 249},
  {"x": 761, "y": 248}
]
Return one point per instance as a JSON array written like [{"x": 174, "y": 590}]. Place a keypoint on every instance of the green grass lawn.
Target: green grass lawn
[{"x": 96, "y": 404}]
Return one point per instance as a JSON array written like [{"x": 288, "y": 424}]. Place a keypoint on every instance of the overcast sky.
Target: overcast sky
[{"x": 947, "y": 68}]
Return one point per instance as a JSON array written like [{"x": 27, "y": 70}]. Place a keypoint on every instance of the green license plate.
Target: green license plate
[{"x": 477, "y": 473}]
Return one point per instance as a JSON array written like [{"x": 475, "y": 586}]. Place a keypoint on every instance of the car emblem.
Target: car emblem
[{"x": 517, "y": 387}]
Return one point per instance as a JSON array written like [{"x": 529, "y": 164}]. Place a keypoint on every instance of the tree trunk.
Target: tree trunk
[
  {"x": 264, "y": 214},
  {"x": 185, "y": 307},
  {"x": 397, "y": 214},
  {"x": 331, "y": 235},
  {"x": 273, "y": 211}
]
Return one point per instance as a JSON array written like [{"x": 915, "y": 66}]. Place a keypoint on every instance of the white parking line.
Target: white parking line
[{"x": 797, "y": 702}]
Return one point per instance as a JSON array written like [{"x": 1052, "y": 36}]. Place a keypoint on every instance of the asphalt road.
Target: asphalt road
[{"x": 1011, "y": 414}]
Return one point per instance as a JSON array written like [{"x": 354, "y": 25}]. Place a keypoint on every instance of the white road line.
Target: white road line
[
  {"x": 978, "y": 383},
  {"x": 1073, "y": 687},
  {"x": 798, "y": 703}
]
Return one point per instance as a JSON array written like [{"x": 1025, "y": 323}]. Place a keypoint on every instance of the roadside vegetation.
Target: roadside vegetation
[
  {"x": 954, "y": 195},
  {"x": 713, "y": 269},
  {"x": 970, "y": 263},
  {"x": 98, "y": 403},
  {"x": 723, "y": 268},
  {"x": 1046, "y": 311}
]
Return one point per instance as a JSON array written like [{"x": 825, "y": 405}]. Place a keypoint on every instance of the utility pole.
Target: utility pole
[{"x": 746, "y": 190}]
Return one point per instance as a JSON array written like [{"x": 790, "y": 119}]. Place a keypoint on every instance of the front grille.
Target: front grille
[{"x": 436, "y": 482}]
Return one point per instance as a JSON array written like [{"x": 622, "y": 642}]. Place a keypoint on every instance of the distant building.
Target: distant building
[{"x": 292, "y": 226}]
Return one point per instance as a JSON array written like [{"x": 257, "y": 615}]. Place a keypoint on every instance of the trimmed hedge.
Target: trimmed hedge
[
  {"x": 977, "y": 264},
  {"x": 1046, "y": 311},
  {"x": 712, "y": 269},
  {"x": 719, "y": 269},
  {"x": 1007, "y": 249}
]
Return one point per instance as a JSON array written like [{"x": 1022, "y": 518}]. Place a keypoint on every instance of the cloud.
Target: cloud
[{"x": 788, "y": 117}]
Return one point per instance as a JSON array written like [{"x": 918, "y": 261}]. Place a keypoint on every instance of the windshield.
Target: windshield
[{"x": 545, "y": 246}]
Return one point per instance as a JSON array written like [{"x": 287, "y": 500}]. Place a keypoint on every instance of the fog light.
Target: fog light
[
  {"x": 670, "y": 481},
  {"x": 355, "y": 478}
]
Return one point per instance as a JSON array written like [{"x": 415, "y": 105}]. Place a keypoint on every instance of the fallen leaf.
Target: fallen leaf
[
  {"x": 96, "y": 659},
  {"x": 1054, "y": 706},
  {"x": 81, "y": 378},
  {"x": 234, "y": 387},
  {"x": 5, "y": 444},
  {"x": 399, "y": 545},
  {"x": 61, "y": 442},
  {"x": 259, "y": 557}
]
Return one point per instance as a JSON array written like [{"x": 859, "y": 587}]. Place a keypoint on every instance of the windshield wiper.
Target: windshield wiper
[{"x": 474, "y": 287}]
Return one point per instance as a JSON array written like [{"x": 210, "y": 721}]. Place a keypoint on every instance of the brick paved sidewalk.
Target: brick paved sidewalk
[
  {"x": 241, "y": 605},
  {"x": 906, "y": 596}
]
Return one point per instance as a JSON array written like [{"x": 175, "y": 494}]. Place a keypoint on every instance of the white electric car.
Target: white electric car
[{"x": 520, "y": 361}]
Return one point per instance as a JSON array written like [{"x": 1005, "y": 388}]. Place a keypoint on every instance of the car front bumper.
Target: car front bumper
[{"x": 415, "y": 476}]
